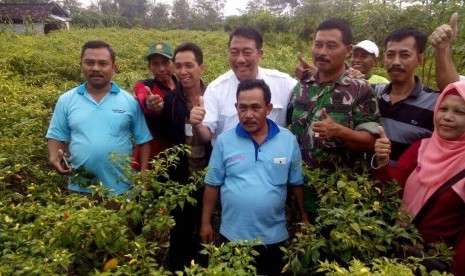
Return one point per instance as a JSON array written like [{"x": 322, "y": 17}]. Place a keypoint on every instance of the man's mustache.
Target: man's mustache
[
  {"x": 321, "y": 58},
  {"x": 398, "y": 69},
  {"x": 95, "y": 75}
]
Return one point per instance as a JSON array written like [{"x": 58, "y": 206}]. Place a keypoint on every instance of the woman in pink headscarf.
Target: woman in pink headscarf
[{"x": 428, "y": 165}]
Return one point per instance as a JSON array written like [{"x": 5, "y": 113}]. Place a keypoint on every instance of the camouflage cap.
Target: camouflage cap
[{"x": 160, "y": 49}]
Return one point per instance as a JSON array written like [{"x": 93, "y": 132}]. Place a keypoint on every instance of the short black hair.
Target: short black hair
[
  {"x": 97, "y": 44},
  {"x": 255, "y": 83},
  {"x": 403, "y": 33},
  {"x": 249, "y": 33},
  {"x": 189, "y": 46},
  {"x": 340, "y": 24}
]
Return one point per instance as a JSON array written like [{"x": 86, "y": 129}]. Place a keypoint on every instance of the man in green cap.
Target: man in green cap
[{"x": 151, "y": 92}]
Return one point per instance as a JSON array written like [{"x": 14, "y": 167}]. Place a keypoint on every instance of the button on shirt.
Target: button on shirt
[
  {"x": 253, "y": 182},
  {"x": 95, "y": 130}
]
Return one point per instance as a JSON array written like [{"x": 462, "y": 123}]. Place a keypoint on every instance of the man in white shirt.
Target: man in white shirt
[{"x": 216, "y": 112}]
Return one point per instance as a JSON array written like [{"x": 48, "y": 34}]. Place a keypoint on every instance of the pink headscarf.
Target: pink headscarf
[{"x": 438, "y": 161}]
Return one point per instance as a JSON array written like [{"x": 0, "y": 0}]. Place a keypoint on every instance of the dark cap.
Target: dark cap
[{"x": 160, "y": 49}]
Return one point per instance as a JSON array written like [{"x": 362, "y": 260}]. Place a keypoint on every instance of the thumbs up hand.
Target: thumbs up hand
[
  {"x": 326, "y": 128},
  {"x": 356, "y": 74},
  {"x": 197, "y": 113},
  {"x": 303, "y": 70},
  {"x": 443, "y": 36},
  {"x": 453, "y": 24},
  {"x": 154, "y": 101},
  {"x": 382, "y": 147},
  {"x": 323, "y": 114}
]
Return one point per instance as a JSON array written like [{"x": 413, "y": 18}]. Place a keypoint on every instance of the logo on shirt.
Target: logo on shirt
[
  {"x": 338, "y": 108},
  {"x": 337, "y": 98},
  {"x": 236, "y": 158},
  {"x": 302, "y": 104},
  {"x": 280, "y": 160},
  {"x": 118, "y": 111}
]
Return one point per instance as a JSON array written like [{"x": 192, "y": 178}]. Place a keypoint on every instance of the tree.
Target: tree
[
  {"x": 104, "y": 6},
  {"x": 218, "y": 6},
  {"x": 72, "y": 7},
  {"x": 133, "y": 8},
  {"x": 159, "y": 16},
  {"x": 205, "y": 16},
  {"x": 181, "y": 14},
  {"x": 254, "y": 6},
  {"x": 281, "y": 6}
]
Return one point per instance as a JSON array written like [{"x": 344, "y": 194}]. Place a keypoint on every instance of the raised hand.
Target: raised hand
[
  {"x": 303, "y": 70},
  {"x": 356, "y": 74},
  {"x": 382, "y": 147},
  {"x": 154, "y": 101},
  {"x": 444, "y": 35},
  {"x": 197, "y": 113},
  {"x": 326, "y": 128}
]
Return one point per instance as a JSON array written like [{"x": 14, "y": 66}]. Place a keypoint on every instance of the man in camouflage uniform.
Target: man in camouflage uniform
[{"x": 334, "y": 116}]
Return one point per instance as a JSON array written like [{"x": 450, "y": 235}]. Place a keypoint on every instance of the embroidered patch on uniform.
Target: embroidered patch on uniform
[
  {"x": 118, "y": 111},
  {"x": 236, "y": 158},
  {"x": 337, "y": 108},
  {"x": 337, "y": 98},
  {"x": 301, "y": 104}
]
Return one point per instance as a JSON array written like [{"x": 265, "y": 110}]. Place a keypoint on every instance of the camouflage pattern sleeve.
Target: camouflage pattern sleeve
[
  {"x": 366, "y": 111},
  {"x": 290, "y": 106}
]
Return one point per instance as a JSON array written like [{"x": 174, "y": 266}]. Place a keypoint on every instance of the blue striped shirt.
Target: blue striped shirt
[{"x": 408, "y": 120}]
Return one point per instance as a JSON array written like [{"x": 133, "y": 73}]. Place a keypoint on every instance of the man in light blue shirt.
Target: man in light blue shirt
[
  {"x": 251, "y": 166},
  {"x": 97, "y": 119}
]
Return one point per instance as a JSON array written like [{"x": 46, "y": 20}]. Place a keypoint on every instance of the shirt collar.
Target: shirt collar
[
  {"x": 81, "y": 89},
  {"x": 340, "y": 80},
  {"x": 273, "y": 129},
  {"x": 258, "y": 77},
  {"x": 163, "y": 87},
  {"x": 180, "y": 89},
  {"x": 415, "y": 92}
]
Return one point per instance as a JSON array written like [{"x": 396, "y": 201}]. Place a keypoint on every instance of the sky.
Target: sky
[
  {"x": 232, "y": 5},
  {"x": 229, "y": 9}
]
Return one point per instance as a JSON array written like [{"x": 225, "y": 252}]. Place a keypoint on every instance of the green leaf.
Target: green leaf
[{"x": 356, "y": 227}]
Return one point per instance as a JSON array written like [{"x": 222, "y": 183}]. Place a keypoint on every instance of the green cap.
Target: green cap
[{"x": 160, "y": 49}]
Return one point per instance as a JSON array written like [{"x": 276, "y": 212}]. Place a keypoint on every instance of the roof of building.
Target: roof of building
[{"x": 34, "y": 12}]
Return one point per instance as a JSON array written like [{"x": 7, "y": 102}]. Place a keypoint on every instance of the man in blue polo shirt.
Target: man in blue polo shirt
[
  {"x": 97, "y": 119},
  {"x": 251, "y": 166}
]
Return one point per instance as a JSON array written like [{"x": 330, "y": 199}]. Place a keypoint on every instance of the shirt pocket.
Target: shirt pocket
[
  {"x": 279, "y": 169},
  {"x": 278, "y": 106},
  {"x": 118, "y": 124}
]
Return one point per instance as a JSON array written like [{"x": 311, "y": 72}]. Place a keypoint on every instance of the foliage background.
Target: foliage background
[{"x": 44, "y": 230}]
